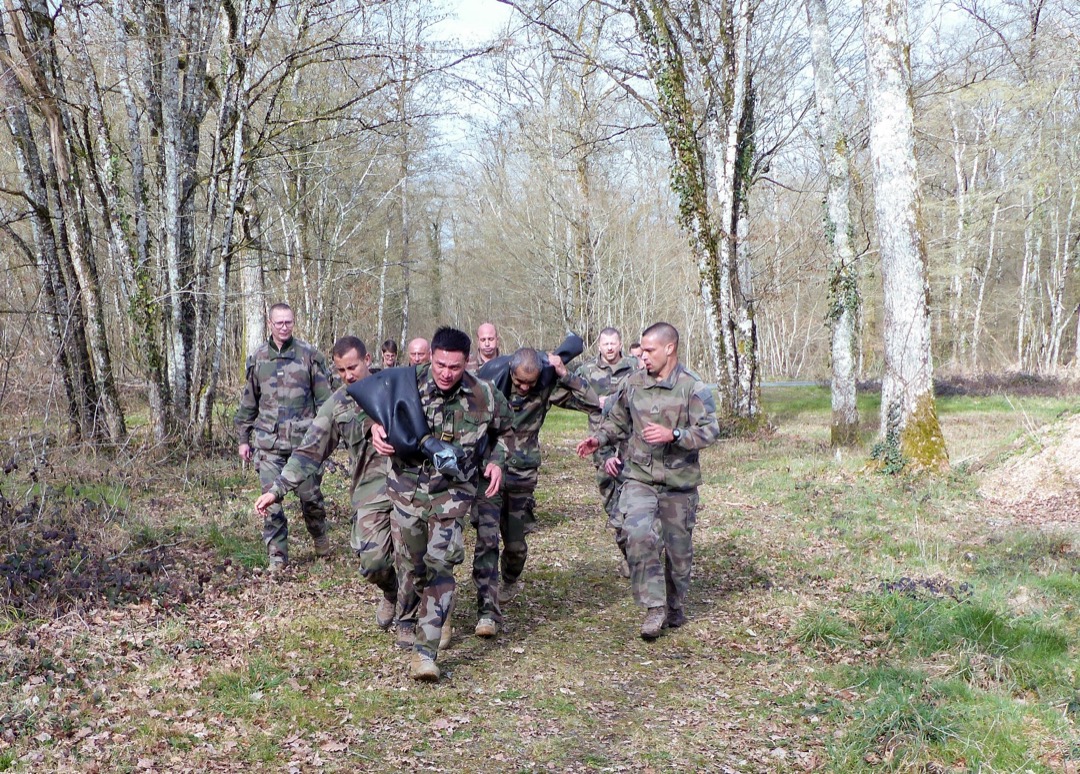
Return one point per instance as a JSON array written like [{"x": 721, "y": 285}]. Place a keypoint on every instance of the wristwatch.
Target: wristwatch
[{"x": 677, "y": 433}]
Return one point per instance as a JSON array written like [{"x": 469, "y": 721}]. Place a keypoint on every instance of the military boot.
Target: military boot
[
  {"x": 277, "y": 564},
  {"x": 322, "y": 545},
  {"x": 676, "y": 617},
  {"x": 486, "y": 628},
  {"x": 406, "y": 636},
  {"x": 508, "y": 591},
  {"x": 423, "y": 667},
  {"x": 384, "y": 613},
  {"x": 653, "y": 623}
]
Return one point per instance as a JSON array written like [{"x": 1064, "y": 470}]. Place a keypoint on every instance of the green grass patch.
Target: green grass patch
[{"x": 246, "y": 551}]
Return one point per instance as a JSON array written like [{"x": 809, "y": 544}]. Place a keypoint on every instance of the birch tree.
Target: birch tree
[
  {"x": 910, "y": 431},
  {"x": 843, "y": 277}
]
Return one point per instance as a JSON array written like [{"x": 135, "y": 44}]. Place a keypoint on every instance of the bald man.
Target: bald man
[
  {"x": 419, "y": 352},
  {"x": 487, "y": 344}
]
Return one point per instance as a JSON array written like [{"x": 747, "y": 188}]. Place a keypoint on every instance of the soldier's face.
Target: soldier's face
[
  {"x": 487, "y": 340},
  {"x": 419, "y": 352},
  {"x": 523, "y": 381},
  {"x": 281, "y": 325},
  {"x": 447, "y": 368},
  {"x": 610, "y": 346},
  {"x": 656, "y": 354},
  {"x": 351, "y": 367}
]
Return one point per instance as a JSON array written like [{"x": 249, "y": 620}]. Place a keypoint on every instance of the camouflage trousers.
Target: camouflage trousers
[
  {"x": 610, "y": 489},
  {"x": 275, "y": 532},
  {"x": 659, "y": 529},
  {"x": 508, "y": 515},
  {"x": 430, "y": 525},
  {"x": 376, "y": 540}
]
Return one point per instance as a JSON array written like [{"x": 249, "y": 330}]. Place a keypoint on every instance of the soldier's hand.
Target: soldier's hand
[
  {"x": 654, "y": 433},
  {"x": 556, "y": 362},
  {"x": 613, "y": 466},
  {"x": 587, "y": 447},
  {"x": 378, "y": 440},
  {"x": 493, "y": 473},
  {"x": 245, "y": 452},
  {"x": 264, "y": 502}
]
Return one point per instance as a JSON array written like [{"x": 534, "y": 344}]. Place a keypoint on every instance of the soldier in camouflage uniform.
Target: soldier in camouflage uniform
[
  {"x": 287, "y": 382},
  {"x": 509, "y": 513},
  {"x": 340, "y": 420},
  {"x": 605, "y": 375},
  {"x": 665, "y": 416},
  {"x": 429, "y": 507}
]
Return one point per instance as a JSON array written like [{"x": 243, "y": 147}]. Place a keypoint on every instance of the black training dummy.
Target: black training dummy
[
  {"x": 390, "y": 397},
  {"x": 497, "y": 370}
]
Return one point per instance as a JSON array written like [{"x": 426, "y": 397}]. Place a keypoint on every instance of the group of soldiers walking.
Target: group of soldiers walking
[{"x": 648, "y": 419}]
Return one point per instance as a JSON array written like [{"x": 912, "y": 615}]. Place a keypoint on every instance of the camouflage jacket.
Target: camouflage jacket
[
  {"x": 605, "y": 379},
  {"x": 339, "y": 420},
  {"x": 283, "y": 390},
  {"x": 531, "y": 409},
  {"x": 473, "y": 415},
  {"x": 681, "y": 402}
]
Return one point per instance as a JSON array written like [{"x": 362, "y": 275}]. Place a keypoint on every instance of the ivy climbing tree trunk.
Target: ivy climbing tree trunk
[
  {"x": 910, "y": 431},
  {"x": 843, "y": 278}
]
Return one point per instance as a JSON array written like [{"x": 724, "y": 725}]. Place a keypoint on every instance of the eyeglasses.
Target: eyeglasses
[{"x": 281, "y": 323}]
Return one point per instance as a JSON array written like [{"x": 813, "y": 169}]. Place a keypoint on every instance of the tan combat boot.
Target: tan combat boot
[
  {"x": 384, "y": 613},
  {"x": 486, "y": 627},
  {"x": 653, "y": 623},
  {"x": 508, "y": 591},
  {"x": 322, "y": 545},
  {"x": 423, "y": 667}
]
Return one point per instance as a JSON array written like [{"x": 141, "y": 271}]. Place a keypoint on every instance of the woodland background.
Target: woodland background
[{"x": 170, "y": 169}]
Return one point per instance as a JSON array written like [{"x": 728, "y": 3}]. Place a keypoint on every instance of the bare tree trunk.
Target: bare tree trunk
[
  {"x": 133, "y": 268},
  {"x": 956, "y": 281},
  {"x": 43, "y": 85},
  {"x": 909, "y": 423},
  {"x": 844, "y": 299},
  {"x": 252, "y": 283},
  {"x": 981, "y": 282},
  {"x": 63, "y": 317},
  {"x": 1059, "y": 274}
]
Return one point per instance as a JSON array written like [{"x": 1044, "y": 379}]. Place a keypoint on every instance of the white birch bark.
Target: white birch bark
[
  {"x": 843, "y": 278},
  {"x": 981, "y": 281},
  {"x": 908, "y": 413}
]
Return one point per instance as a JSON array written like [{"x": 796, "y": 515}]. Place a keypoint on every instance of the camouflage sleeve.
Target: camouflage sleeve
[
  {"x": 248, "y": 412},
  {"x": 574, "y": 392},
  {"x": 616, "y": 424},
  {"x": 704, "y": 429},
  {"x": 321, "y": 386},
  {"x": 502, "y": 425},
  {"x": 319, "y": 442}
]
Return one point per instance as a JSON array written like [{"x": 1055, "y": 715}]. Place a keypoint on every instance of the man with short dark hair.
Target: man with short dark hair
[
  {"x": 509, "y": 513},
  {"x": 419, "y": 351},
  {"x": 287, "y": 382},
  {"x": 605, "y": 374},
  {"x": 340, "y": 420},
  {"x": 665, "y": 416},
  {"x": 430, "y": 506},
  {"x": 387, "y": 356}
]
